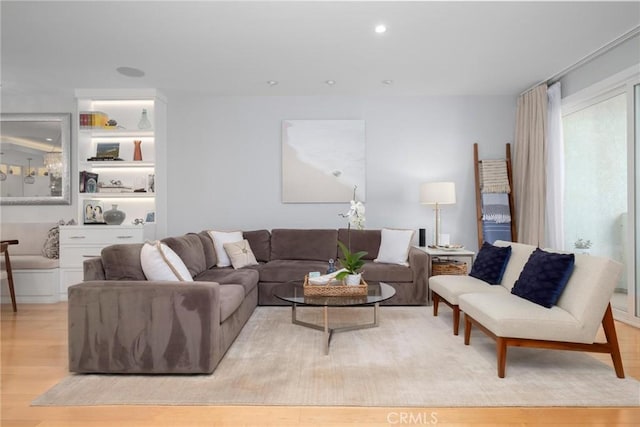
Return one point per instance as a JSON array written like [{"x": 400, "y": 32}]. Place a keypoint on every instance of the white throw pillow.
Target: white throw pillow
[
  {"x": 394, "y": 246},
  {"x": 240, "y": 254},
  {"x": 219, "y": 239},
  {"x": 160, "y": 262}
]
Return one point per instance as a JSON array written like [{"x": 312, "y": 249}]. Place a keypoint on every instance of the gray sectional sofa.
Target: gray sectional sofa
[{"x": 121, "y": 323}]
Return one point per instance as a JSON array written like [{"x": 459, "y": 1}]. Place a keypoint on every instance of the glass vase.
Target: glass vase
[{"x": 144, "y": 122}]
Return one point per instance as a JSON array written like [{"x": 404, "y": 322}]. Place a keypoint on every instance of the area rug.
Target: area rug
[{"x": 412, "y": 359}]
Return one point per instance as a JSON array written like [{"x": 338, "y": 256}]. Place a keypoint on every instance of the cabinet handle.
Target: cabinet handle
[
  {"x": 125, "y": 237},
  {"x": 90, "y": 256},
  {"x": 77, "y": 237}
]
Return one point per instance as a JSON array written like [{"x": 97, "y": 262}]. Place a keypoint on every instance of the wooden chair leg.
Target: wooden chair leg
[
  {"x": 436, "y": 301},
  {"x": 13, "y": 293},
  {"x": 609, "y": 327},
  {"x": 456, "y": 319},
  {"x": 7, "y": 265},
  {"x": 501, "y": 353},
  {"x": 467, "y": 330}
]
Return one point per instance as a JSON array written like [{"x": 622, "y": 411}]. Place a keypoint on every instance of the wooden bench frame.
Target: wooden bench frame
[
  {"x": 611, "y": 346},
  {"x": 435, "y": 298}
]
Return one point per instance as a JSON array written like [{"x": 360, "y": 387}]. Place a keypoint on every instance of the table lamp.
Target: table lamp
[{"x": 438, "y": 193}]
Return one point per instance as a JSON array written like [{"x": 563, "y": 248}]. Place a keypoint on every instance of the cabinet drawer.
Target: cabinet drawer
[
  {"x": 101, "y": 236},
  {"x": 74, "y": 256}
]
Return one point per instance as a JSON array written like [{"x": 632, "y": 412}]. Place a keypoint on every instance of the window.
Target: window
[{"x": 599, "y": 184}]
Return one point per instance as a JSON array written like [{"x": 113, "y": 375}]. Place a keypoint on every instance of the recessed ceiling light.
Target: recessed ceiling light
[
  {"x": 130, "y": 71},
  {"x": 387, "y": 82},
  {"x": 381, "y": 28},
  {"x": 330, "y": 82},
  {"x": 49, "y": 139},
  {"x": 272, "y": 82}
]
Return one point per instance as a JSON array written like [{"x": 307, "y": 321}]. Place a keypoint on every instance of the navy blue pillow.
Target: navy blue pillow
[
  {"x": 491, "y": 263},
  {"x": 544, "y": 277}
]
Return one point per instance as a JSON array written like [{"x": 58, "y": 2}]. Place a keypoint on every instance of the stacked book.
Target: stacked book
[
  {"x": 93, "y": 119},
  {"x": 115, "y": 189}
]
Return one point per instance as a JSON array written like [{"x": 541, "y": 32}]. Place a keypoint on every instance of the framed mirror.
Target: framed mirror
[{"x": 35, "y": 153}]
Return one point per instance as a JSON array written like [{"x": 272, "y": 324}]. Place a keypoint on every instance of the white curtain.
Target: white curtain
[
  {"x": 554, "y": 227},
  {"x": 529, "y": 166}
]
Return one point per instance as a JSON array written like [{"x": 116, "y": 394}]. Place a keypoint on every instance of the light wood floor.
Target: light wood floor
[{"x": 34, "y": 358}]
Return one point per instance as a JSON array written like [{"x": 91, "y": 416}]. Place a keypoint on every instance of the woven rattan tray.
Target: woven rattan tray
[{"x": 334, "y": 290}]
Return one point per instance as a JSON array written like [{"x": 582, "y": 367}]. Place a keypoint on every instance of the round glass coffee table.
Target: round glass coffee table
[{"x": 293, "y": 292}]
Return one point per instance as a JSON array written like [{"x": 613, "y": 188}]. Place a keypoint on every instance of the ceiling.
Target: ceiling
[{"x": 234, "y": 48}]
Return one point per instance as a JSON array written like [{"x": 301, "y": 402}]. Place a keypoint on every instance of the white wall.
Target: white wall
[
  {"x": 224, "y": 159},
  {"x": 224, "y": 164}
]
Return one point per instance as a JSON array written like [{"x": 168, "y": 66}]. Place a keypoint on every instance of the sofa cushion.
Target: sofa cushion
[
  {"x": 209, "y": 250},
  {"x": 589, "y": 289},
  {"x": 506, "y": 315},
  {"x": 450, "y": 287},
  {"x": 160, "y": 262},
  {"x": 231, "y": 296},
  {"x": 260, "y": 241},
  {"x": 490, "y": 263},
  {"x": 292, "y": 244},
  {"x": 544, "y": 277},
  {"x": 219, "y": 239},
  {"x": 361, "y": 240},
  {"x": 394, "y": 246},
  {"x": 286, "y": 270},
  {"x": 189, "y": 249},
  {"x": 122, "y": 262},
  {"x": 30, "y": 262},
  {"x": 31, "y": 236},
  {"x": 240, "y": 254},
  {"x": 377, "y": 272},
  {"x": 246, "y": 277},
  {"x": 519, "y": 256}
]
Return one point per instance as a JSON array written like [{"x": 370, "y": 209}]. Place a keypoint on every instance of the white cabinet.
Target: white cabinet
[
  {"x": 121, "y": 148},
  {"x": 77, "y": 243}
]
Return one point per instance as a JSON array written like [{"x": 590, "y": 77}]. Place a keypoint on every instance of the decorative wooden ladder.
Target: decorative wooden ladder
[{"x": 476, "y": 164}]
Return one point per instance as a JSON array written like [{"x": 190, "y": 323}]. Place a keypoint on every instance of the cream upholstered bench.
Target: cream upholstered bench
[
  {"x": 35, "y": 276},
  {"x": 571, "y": 324},
  {"x": 567, "y": 318},
  {"x": 447, "y": 288}
]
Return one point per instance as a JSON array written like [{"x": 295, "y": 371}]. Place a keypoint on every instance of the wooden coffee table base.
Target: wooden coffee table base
[{"x": 328, "y": 332}]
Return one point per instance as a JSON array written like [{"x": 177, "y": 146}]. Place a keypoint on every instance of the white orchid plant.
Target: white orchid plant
[{"x": 355, "y": 215}]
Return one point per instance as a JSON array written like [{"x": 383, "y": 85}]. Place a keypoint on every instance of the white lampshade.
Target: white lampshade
[{"x": 442, "y": 193}]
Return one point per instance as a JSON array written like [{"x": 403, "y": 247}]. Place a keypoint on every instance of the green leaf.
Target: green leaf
[
  {"x": 351, "y": 262},
  {"x": 342, "y": 275}
]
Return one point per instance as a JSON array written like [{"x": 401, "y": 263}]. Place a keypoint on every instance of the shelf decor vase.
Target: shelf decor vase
[
  {"x": 144, "y": 123},
  {"x": 137, "y": 151},
  {"x": 114, "y": 216}
]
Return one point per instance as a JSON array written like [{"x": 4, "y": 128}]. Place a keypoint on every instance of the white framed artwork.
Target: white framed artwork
[{"x": 323, "y": 161}]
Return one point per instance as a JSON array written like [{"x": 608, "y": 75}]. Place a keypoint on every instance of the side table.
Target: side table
[{"x": 433, "y": 253}]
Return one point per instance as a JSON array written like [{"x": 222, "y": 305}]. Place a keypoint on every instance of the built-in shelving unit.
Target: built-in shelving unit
[{"x": 136, "y": 186}]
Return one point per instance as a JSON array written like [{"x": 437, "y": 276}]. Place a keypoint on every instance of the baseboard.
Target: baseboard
[{"x": 33, "y": 286}]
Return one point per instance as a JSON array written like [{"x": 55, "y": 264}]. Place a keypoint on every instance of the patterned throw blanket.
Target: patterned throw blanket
[{"x": 493, "y": 176}]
